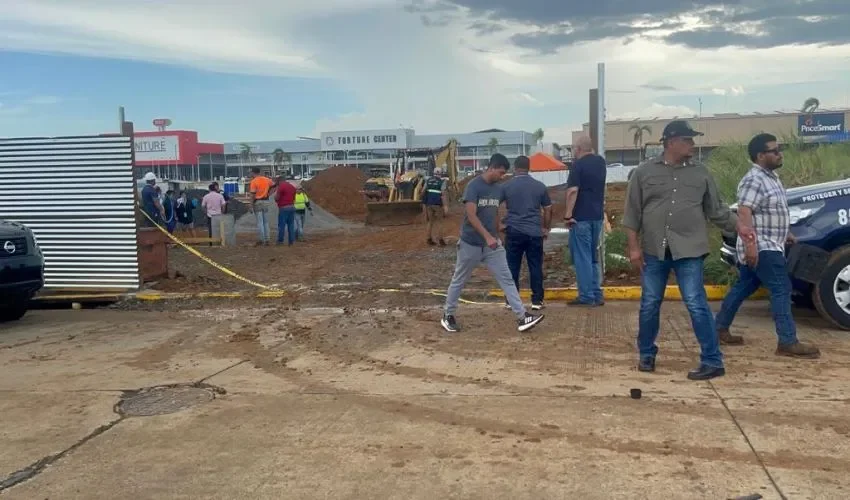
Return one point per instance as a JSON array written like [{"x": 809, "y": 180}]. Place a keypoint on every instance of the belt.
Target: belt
[{"x": 261, "y": 199}]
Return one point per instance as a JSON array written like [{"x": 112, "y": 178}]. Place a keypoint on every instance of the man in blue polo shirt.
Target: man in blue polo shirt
[{"x": 527, "y": 223}]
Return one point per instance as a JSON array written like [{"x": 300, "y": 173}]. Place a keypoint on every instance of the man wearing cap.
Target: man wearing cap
[
  {"x": 436, "y": 207},
  {"x": 150, "y": 202},
  {"x": 668, "y": 201}
]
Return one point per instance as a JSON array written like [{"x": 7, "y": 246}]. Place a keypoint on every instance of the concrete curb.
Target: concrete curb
[{"x": 624, "y": 293}]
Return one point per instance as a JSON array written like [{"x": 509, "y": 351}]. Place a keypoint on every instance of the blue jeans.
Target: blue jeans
[
  {"x": 518, "y": 244},
  {"x": 772, "y": 273},
  {"x": 286, "y": 221},
  {"x": 584, "y": 240},
  {"x": 689, "y": 275}
]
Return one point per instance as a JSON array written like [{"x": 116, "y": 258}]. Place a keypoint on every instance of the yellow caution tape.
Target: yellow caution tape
[
  {"x": 464, "y": 301},
  {"x": 206, "y": 259}
]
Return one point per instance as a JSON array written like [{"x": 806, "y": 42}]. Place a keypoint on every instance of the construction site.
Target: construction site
[{"x": 206, "y": 366}]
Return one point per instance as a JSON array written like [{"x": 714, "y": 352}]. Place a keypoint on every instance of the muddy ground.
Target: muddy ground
[
  {"x": 339, "y": 253},
  {"x": 326, "y": 402}
]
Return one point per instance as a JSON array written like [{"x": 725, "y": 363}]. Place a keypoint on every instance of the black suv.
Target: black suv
[
  {"x": 820, "y": 219},
  {"x": 21, "y": 269}
]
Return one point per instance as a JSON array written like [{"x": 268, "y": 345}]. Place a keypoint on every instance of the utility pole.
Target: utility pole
[
  {"x": 600, "y": 138},
  {"x": 699, "y": 148}
]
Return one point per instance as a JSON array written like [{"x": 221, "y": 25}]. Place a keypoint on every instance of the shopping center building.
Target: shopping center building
[
  {"x": 623, "y": 144},
  {"x": 370, "y": 149}
]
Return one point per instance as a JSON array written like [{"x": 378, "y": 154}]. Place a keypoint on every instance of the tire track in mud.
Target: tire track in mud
[{"x": 343, "y": 357}]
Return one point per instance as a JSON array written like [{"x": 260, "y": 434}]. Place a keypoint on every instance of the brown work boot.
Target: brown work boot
[
  {"x": 798, "y": 350},
  {"x": 727, "y": 338}
]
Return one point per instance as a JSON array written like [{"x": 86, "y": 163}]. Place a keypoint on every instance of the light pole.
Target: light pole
[{"x": 699, "y": 148}]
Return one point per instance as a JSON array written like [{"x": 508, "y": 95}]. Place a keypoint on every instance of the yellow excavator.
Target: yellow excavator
[{"x": 395, "y": 201}]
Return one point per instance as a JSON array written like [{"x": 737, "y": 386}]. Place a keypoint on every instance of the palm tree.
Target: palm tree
[
  {"x": 638, "y": 137},
  {"x": 493, "y": 143},
  {"x": 280, "y": 157},
  {"x": 245, "y": 152},
  {"x": 811, "y": 105},
  {"x": 538, "y": 135}
]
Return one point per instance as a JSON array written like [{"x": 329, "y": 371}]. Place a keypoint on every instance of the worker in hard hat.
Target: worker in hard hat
[
  {"x": 436, "y": 207},
  {"x": 150, "y": 202}
]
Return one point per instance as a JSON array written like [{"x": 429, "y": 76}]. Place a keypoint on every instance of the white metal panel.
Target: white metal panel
[{"x": 77, "y": 196}]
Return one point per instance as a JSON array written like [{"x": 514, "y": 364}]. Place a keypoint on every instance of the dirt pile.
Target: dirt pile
[
  {"x": 614, "y": 202},
  {"x": 337, "y": 190}
]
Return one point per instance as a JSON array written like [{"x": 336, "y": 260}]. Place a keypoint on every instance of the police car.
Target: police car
[{"x": 819, "y": 264}]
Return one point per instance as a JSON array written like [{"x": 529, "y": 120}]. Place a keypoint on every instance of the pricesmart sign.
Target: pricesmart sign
[{"x": 820, "y": 124}]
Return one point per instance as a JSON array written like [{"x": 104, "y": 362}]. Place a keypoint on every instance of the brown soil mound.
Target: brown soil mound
[
  {"x": 614, "y": 203},
  {"x": 337, "y": 190}
]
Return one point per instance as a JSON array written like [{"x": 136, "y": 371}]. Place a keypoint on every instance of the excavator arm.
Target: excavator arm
[{"x": 446, "y": 157}]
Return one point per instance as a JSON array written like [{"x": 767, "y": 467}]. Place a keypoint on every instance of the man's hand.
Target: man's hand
[
  {"x": 747, "y": 233},
  {"x": 492, "y": 242},
  {"x": 569, "y": 222},
  {"x": 636, "y": 258},
  {"x": 791, "y": 239},
  {"x": 546, "y": 232},
  {"x": 751, "y": 253},
  {"x": 445, "y": 210}
]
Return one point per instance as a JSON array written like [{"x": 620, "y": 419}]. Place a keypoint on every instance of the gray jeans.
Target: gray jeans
[
  {"x": 261, "y": 212},
  {"x": 468, "y": 258}
]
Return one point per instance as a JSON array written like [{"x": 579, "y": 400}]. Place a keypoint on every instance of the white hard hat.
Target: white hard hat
[{"x": 150, "y": 177}]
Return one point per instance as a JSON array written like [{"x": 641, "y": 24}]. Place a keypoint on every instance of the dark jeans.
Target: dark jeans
[
  {"x": 286, "y": 221},
  {"x": 518, "y": 244},
  {"x": 772, "y": 273},
  {"x": 689, "y": 275},
  {"x": 584, "y": 240}
]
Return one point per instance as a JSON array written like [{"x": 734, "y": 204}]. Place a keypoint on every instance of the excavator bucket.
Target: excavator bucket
[{"x": 393, "y": 213}]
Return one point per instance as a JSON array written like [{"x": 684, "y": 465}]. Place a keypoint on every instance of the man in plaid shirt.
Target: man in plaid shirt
[{"x": 763, "y": 205}]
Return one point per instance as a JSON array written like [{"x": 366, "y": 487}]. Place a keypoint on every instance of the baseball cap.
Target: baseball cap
[
  {"x": 150, "y": 177},
  {"x": 679, "y": 128}
]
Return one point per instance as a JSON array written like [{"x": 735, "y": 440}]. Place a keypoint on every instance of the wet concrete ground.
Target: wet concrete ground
[{"x": 327, "y": 403}]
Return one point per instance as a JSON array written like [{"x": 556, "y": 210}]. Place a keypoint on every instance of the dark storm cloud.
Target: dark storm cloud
[{"x": 744, "y": 23}]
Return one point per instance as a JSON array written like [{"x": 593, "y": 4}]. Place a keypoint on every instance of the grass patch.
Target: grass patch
[{"x": 803, "y": 164}]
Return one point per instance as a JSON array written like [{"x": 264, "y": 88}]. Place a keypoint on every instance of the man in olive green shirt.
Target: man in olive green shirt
[{"x": 668, "y": 202}]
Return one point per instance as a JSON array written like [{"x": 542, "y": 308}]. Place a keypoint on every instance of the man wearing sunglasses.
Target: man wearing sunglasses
[
  {"x": 763, "y": 205},
  {"x": 668, "y": 201}
]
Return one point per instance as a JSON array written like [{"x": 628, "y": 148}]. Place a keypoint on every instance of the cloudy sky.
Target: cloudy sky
[{"x": 272, "y": 69}]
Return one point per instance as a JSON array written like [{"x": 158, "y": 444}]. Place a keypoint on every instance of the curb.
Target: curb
[
  {"x": 631, "y": 293},
  {"x": 622, "y": 293}
]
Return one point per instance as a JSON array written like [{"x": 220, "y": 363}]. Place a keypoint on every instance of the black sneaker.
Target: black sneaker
[
  {"x": 449, "y": 324},
  {"x": 536, "y": 307},
  {"x": 507, "y": 305},
  {"x": 529, "y": 322}
]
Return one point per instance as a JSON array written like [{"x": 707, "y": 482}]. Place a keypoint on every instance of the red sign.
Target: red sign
[{"x": 161, "y": 122}]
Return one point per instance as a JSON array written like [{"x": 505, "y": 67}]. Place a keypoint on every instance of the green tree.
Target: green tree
[
  {"x": 280, "y": 158},
  {"x": 493, "y": 143},
  {"x": 538, "y": 135},
  {"x": 639, "y": 130},
  {"x": 810, "y": 105},
  {"x": 245, "y": 152}
]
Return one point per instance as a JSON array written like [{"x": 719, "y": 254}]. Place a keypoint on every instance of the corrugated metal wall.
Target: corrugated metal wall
[{"x": 77, "y": 195}]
